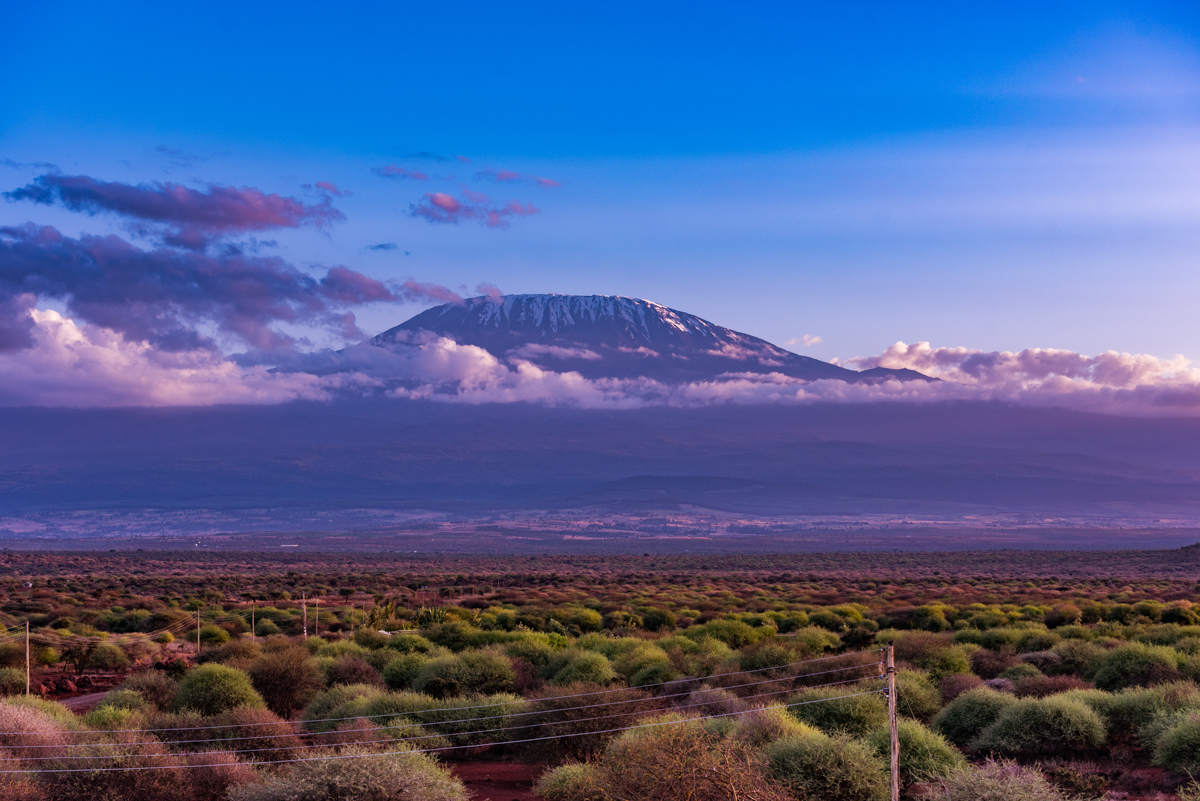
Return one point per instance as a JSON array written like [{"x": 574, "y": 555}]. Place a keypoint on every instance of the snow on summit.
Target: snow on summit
[{"x": 611, "y": 336}]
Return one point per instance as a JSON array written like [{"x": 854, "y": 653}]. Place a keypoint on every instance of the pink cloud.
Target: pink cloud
[
  {"x": 163, "y": 296},
  {"x": 417, "y": 292},
  {"x": 392, "y": 171},
  {"x": 185, "y": 217},
  {"x": 439, "y": 207},
  {"x": 331, "y": 188},
  {"x": 509, "y": 176},
  {"x": 489, "y": 289}
]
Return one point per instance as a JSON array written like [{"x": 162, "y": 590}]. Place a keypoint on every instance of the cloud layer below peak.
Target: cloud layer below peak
[{"x": 90, "y": 365}]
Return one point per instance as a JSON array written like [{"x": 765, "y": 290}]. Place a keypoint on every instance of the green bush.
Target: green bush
[
  {"x": 235, "y": 653},
  {"x": 125, "y": 699},
  {"x": 370, "y": 638},
  {"x": 733, "y": 633},
  {"x": 12, "y": 681},
  {"x": 213, "y": 689},
  {"x": 571, "y": 782},
  {"x": 155, "y": 686},
  {"x": 760, "y": 727},
  {"x": 467, "y": 672},
  {"x": 107, "y": 657},
  {"x": 924, "y": 755},
  {"x": 1053, "y": 725},
  {"x": 1020, "y": 671},
  {"x": 916, "y": 696},
  {"x": 323, "y": 704},
  {"x": 400, "y": 672},
  {"x": 455, "y": 716},
  {"x": 1136, "y": 664},
  {"x": 1077, "y": 656},
  {"x": 998, "y": 781},
  {"x": 213, "y": 635},
  {"x": 1140, "y": 709},
  {"x": 586, "y": 666},
  {"x": 287, "y": 679},
  {"x": 969, "y": 714},
  {"x": 678, "y": 759},
  {"x": 361, "y": 775},
  {"x": 825, "y": 709},
  {"x": 409, "y": 643},
  {"x": 1178, "y": 748},
  {"x": 653, "y": 674},
  {"x": 827, "y": 768}
]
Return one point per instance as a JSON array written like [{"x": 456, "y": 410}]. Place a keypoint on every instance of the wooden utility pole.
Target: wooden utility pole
[
  {"x": 892, "y": 726},
  {"x": 27, "y": 657},
  {"x": 304, "y": 608}
]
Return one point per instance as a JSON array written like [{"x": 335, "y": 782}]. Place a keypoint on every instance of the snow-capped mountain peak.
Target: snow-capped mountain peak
[{"x": 613, "y": 336}]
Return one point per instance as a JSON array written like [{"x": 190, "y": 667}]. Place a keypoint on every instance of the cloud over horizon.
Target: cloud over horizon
[
  {"x": 165, "y": 296},
  {"x": 92, "y": 365},
  {"x": 182, "y": 216}
]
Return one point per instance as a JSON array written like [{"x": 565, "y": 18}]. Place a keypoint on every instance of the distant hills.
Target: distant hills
[{"x": 609, "y": 336}]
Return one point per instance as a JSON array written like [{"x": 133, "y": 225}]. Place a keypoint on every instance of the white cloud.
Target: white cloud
[{"x": 96, "y": 367}]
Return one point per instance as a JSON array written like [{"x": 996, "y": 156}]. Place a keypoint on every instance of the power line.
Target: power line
[
  {"x": 415, "y": 737},
  {"x": 531, "y": 700},
  {"x": 434, "y": 750}
]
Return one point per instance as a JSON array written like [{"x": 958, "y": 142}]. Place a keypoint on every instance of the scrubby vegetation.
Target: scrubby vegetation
[{"x": 629, "y": 680}]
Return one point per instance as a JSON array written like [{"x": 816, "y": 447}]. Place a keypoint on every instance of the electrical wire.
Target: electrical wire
[
  {"x": 438, "y": 749},
  {"x": 460, "y": 720},
  {"x": 529, "y": 701},
  {"x": 431, "y": 724}
]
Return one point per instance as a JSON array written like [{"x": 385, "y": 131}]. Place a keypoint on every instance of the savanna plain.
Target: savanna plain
[{"x": 197, "y": 676}]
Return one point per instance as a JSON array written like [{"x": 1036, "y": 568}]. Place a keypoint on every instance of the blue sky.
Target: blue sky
[{"x": 1003, "y": 178}]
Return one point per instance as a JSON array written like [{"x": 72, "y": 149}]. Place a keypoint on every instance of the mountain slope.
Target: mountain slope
[{"x": 604, "y": 336}]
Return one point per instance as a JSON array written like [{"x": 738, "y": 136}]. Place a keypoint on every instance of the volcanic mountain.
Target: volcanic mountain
[{"x": 608, "y": 336}]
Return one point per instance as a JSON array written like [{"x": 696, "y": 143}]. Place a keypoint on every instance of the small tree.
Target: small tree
[{"x": 287, "y": 679}]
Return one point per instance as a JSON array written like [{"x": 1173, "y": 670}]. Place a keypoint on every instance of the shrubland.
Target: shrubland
[{"x": 628, "y": 678}]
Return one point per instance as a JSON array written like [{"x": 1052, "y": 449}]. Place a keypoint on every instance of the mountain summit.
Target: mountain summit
[{"x": 608, "y": 336}]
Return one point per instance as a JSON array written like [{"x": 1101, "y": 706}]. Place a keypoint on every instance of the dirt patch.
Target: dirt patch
[
  {"x": 82, "y": 704},
  {"x": 498, "y": 781}
]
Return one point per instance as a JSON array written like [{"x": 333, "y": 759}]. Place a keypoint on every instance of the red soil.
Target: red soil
[{"x": 498, "y": 781}]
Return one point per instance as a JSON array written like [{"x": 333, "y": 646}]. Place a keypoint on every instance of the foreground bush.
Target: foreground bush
[
  {"x": 357, "y": 775},
  {"x": 826, "y": 709},
  {"x": 468, "y": 672},
  {"x": 827, "y": 768},
  {"x": 154, "y": 686},
  {"x": 678, "y": 759},
  {"x": 286, "y": 678},
  {"x": 1136, "y": 664},
  {"x": 12, "y": 681},
  {"x": 1178, "y": 748},
  {"x": 1052, "y": 725},
  {"x": 969, "y": 714},
  {"x": 998, "y": 781},
  {"x": 213, "y": 689},
  {"x": 924, "y": 755},
  {"x": 571, "y": 782},
  {"x": 578, "y": 719},
  {"x": 761, "y": 727}
]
